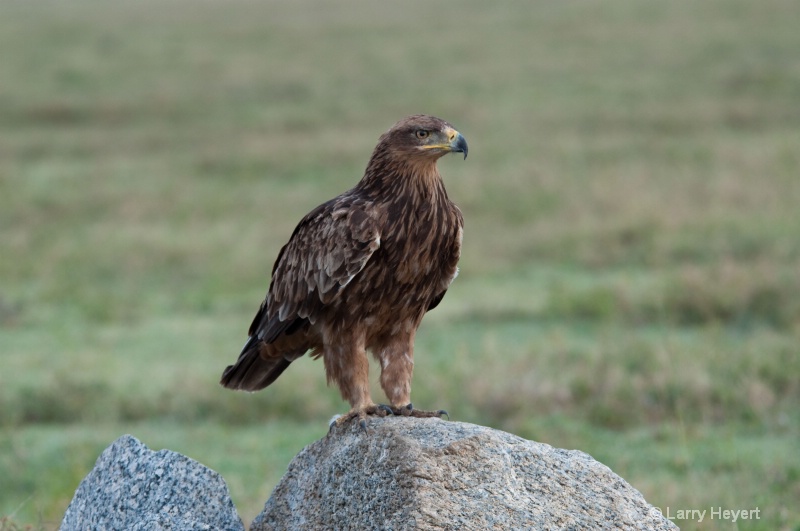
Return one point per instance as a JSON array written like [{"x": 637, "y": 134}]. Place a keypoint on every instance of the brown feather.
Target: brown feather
[{"x": 360, "y": 271}]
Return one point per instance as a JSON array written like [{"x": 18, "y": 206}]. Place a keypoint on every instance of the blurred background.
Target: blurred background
[{"x": 630, "y": 280}]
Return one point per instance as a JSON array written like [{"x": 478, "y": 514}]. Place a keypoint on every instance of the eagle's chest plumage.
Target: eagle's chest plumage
[{"x": 416, "y": 261}]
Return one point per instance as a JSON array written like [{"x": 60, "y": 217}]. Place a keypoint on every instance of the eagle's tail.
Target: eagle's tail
[{"x": 252, "y": 372}]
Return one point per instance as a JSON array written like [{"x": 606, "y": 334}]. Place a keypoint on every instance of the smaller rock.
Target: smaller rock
[{"x": 133, "y": 487}]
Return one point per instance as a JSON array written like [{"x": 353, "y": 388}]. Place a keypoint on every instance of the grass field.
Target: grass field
[{"x": 630, "y": 281}]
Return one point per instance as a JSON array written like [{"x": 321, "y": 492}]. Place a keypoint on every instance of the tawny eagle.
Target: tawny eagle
[{"x": 360, "y": 271}]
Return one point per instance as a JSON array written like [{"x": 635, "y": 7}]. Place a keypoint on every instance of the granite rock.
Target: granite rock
[
  {"x": 429, "y": 474},
  {"x": 134, "y": 488}
]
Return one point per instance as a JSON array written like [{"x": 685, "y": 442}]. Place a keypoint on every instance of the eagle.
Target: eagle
[{"x": 360, "y": 271}]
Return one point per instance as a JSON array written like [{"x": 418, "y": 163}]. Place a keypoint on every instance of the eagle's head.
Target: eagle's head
[{"x": 422, "y": 137}]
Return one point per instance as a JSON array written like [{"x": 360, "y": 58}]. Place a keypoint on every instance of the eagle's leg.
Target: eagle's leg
[
  {"x": 346, "y": 365},
  {"x": 397, "y": 366}
]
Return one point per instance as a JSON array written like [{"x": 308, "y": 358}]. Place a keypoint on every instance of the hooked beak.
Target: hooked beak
[{"x": 459, "y": 144}]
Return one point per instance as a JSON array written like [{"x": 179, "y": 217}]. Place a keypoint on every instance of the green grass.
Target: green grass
[{"x": 630, "y": 282}]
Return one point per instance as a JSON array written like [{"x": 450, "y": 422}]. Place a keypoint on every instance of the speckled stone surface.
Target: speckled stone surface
[
  {"x": 133, "y": 488},
  {"x": 432, "y": 474}
]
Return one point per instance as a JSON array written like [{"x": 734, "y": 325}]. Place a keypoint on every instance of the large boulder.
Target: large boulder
[
  {"x": 132, "y": 487},
  {"x": 431, "y": 474}
]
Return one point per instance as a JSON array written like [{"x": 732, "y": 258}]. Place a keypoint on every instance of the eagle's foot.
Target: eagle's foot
[
  {"x": 382, "y": 410},
  {"x": 361, "y": 414},
  {"x": 409, "y": 411}
]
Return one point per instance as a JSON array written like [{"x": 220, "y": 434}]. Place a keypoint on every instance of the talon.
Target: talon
[
  {"x": 363, "y": 424},
  {"x": 442, "y": 412},
  {"x": 333, "y": 422},
  {"x": 388, "y": 410}
]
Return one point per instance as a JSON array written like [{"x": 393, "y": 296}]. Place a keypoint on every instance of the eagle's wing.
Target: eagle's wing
[{"x": 329, "y": 247}]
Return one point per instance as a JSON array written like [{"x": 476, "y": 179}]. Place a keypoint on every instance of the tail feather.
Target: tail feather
[{"x": 252, "y": 372}]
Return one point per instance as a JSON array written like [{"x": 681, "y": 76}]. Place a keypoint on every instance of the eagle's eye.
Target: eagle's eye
[{"x": 422, "y": 134}]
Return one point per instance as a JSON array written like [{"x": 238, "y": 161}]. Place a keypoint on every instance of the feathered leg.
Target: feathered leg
[
  {"x": 346, "y": 365},
  {"x": 397, "y": 367}
]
